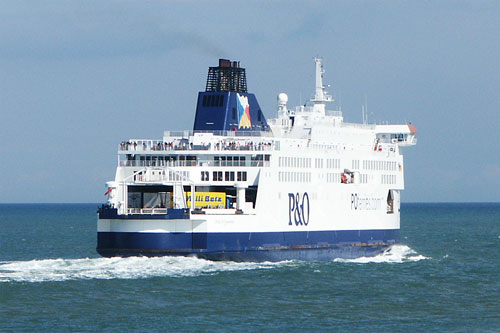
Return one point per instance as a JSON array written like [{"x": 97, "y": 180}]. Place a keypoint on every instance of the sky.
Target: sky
[{"x": 79, "y": 77}]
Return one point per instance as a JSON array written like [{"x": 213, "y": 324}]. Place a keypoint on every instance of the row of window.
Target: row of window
[
  {"x": 347, "y": 178},
  {"x": 333, "y": 163},
  {"x": 322, "y": 146},
  {"x": 379, "y": 165},
  {"x": 363, "y": 178},
  {"x": 333, "y": 177},
  {"x": 229, "y": 176},
  {"x": 296, "y": 177},
  {"x": 388, "y": 179},
  {"x": 162, "y": 175},
  {"x": 294, "y": 162},
  {"x": 399, "y": 137},
  {"x": 255, "y": 160},
  {"x": 229, "y": 160},
  {"x": 318, "y": 163}
]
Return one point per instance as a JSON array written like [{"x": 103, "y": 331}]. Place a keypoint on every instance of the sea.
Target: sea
[{"x": 444, "y": 276}]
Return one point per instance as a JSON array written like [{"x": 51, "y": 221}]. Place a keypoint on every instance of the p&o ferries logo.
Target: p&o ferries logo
[
  {"x": 244, "y": 120},
  {"x": 298, "y": 208}
]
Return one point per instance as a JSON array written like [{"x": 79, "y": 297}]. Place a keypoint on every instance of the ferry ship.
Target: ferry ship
[{"x": 303, "y": 186}]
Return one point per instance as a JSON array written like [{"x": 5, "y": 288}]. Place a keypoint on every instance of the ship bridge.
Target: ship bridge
[{"x": 402, "y": 135}]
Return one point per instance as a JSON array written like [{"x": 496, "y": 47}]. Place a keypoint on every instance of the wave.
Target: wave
[
  {"x": 395, "y": 254},
  {"x": 118, "y": 268}
]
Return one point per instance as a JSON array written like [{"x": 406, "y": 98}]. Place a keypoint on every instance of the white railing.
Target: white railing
[
  {"x": 162, "y": 175},
  {"x": 151, "y": 145},
  {"x": 357, "y": 125},
  {"x": 165, "y": 163},
  {"x": 334, "y": 113},
  {"x": 186, "y": 134},
  {"x": 146, "y": 211},
  {"x": 157, "y": 163}
]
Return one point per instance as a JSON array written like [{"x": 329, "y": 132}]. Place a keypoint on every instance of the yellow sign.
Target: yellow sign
[{"x": 207, "y": 199}]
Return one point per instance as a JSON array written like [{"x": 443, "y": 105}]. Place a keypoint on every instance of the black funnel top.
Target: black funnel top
[{"x": 228, "y": 76}]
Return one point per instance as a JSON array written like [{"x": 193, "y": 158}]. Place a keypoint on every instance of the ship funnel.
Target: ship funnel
[{"x": 226, "y": 104}]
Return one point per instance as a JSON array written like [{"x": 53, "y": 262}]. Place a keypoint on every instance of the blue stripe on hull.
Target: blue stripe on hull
[{"x": 272, "y": 246}]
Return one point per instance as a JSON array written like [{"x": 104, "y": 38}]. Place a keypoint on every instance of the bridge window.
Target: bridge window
[
  {"x": 217, "y": 176},
  {"x": 205, "y": 176},
  {"x": 241, "y": 176}
]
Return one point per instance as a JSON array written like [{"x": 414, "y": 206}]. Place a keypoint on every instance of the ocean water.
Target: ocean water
[{"x": 444, "y": 276}]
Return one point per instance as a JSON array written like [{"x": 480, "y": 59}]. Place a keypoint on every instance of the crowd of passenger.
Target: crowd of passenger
[
  {"x": 133, "y": 145},
  {"x": 248, "y": 145}
]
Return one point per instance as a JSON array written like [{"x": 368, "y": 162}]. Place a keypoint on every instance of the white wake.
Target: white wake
[
  {"x": 117, "y": 268},
  {"x": 143, "y": 267},
  {"x": 395, "y": 254}
]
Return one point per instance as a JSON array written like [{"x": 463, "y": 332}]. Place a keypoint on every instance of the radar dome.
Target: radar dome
[{"x": 282, "y": 98}]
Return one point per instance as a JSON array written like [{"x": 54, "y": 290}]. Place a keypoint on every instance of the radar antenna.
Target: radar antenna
[{"x": 321, "y": 95}]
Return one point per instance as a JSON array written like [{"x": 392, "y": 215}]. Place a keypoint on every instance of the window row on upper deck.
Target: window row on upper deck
[
  {"x": 228, "y": 176},
  {"x": 392, "y": 137},
  {"x": 380, "y": 165},
  {"x": 135, "y": 160},
  {"x": 306, "y": 162},
  {"x": 255, "y": 160},
  {"x": 294, "y": 162}
]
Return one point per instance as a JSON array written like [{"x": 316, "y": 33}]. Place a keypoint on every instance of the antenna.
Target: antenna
[
  {"x": 321, "y": 96},
  {"x": 366, "y": 103},
  {"x": 365, "y": 121}
]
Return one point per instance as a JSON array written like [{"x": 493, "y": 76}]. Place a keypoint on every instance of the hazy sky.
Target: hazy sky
[{"x": 78, "y": 77}]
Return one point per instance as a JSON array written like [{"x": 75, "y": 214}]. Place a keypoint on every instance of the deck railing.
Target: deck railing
[
  {"x": 146, "y": 211},
  {"x": 186, "y": 134},
  {"x": 165, "y": 163},
  {"x": 224, "y": 145}
]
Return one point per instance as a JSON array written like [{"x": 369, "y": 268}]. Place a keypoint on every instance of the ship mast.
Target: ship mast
[{"x": 321, "y": 96}]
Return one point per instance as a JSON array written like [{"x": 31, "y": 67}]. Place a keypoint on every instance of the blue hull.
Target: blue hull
[{"x": 265, "y": 246}]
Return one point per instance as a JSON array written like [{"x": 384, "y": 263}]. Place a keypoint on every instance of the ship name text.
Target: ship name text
[{"x": 360, "y": 202}]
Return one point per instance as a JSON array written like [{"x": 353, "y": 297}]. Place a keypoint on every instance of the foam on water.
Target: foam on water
[
  {"x": 117, "y": 268},
  {"x": 395, "y": 254},
  {"x": 144, "y": 267}
]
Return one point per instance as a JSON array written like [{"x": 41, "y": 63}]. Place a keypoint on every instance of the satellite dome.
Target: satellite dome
[{"x": 282, "y": 98}]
